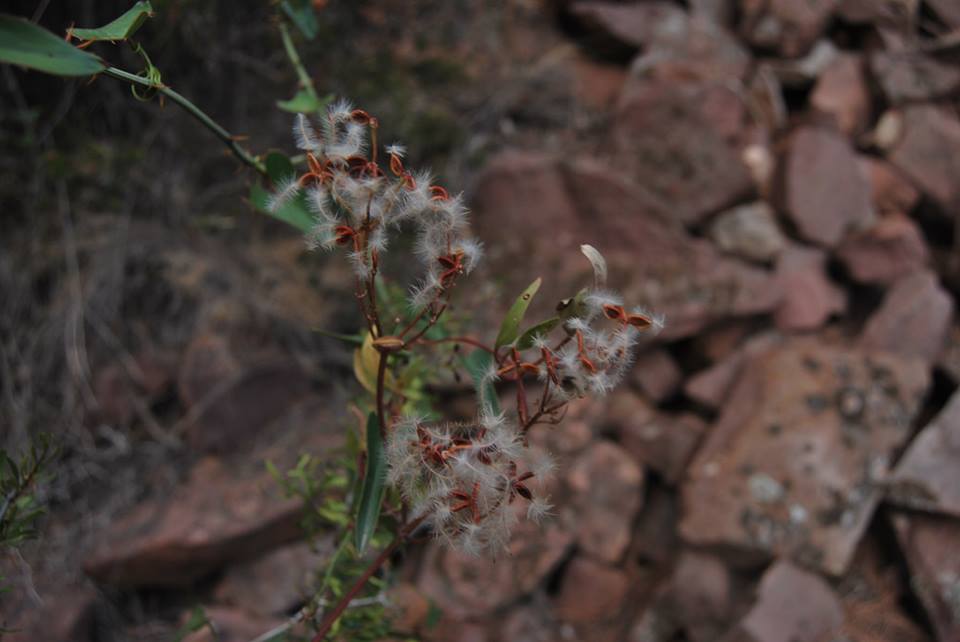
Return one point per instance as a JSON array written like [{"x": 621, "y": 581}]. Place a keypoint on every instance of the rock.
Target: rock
[
  {"x": 664, "y": 443},
  {"x": 810, "y": 298},
  {"x": 909, "y": 76},
  {"x": 913, "y": 320},
  {"x": 229, "y": 404},
  {"x": 124, "y": 387},
  {"x": 529, "y": 623},
  {"x": 232, "y": 625},
  {"x": 464, "y": 586},
  {"x": 699, "y": 596},
  {"x": 947, "y": 10},
  {"x": 891, "y": 249},
  {"x": 607, "y": 486},
  {"x": 796, "y": 463},
  {"x": 842, "y": 93},
  {"x": 692, "y": 45},
  {"x": 826, "y": 195},
  {"x": 779, "y": 616},
  {"x": 926, "y": 153},
  {"x": 891, "y": 192},
  {"x": 655, "y": 536},
  {"x": 64, "y": 614},
  {"x": 801, "y": 72},
  {"x": 666, "y": 133},
  {"x": 749, "y": 231},
  {"x": 928, "y": 475},
  {"x": 275, "y": 583},
  {"x": 597, "y": 85},
  {"x": 409, "y": 609},
  {"x": 786, "y": 25},
  {"x": 711, "y": 387},
  {"x": 950, "y": 359},
  {"x": 891, "y": 15},
  {"x": 932, "y": 548},
  {"x": 656, "y": 374},
  {"x": 873, "y": 598},
  {"x": 766, "y": 98},
  {"x": 217, "y": 516},
  {"x": 590, "y": 592},
  {"x": 583, "y": 200}
]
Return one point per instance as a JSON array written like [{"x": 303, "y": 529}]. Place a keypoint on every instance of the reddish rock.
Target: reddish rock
[
  {"x": 842, "y": 94},
  {"x": 909, "y": 76},
  {"x": 892, "y": 193},
  {"x": 792, "y": 606},
  {"x": 275, "y": 583},
  {"x": 826, "y": 194},
  {"x": 947, "y": 10},
  {"x": 465, "y": 586},
  {"x": 661, "y": 266},
  {"x": 664, "y": 443},
  {"x": 219, "y": 515},
  {"x": 655, "y": 536},
  {"x": 691, "y": 45},
  {"x": 698, "y": 597},
  {"x": 891, "y": 249},
  {"x": 64, "y": 614},
  {"x": 950, "y": 359},
  {"x": 656, "y": 374},
  {"x": 597, "y": 85},
  {"x": 927, "y": 152},
  {"x": 711, "y": 387},
  {"x": 607, "y": 486},
  {"x": 890, "y": 15},
  {"x": 667, "y": 137},
  {"x": 232, "y": 625},
  {"x": 766, "y": 98},
  {"x": 409, "y": 608},
  {"x": 928, "y": 475},
  {"x": 530, "y": 623},
  {"x": 913, "y": 320},
  {"x": 792, "y": 27},
  {"x": 809, "y": 297},
  {"x": 932, "y": 548},
  {"x": 590, "y": 591},
  {"x": 801, "y": 72},
  {"x": 229, "y": 404},
  {"x": 749, "y": 231},
  {"x": 796, "y": 463}
]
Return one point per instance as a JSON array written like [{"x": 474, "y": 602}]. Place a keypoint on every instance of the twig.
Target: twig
[
  {"x": 229, "y": 140},
  {"x": 306, "y": 82}
]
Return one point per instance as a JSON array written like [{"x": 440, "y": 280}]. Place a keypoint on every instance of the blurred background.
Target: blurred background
[{"x": 779, "y": 178}]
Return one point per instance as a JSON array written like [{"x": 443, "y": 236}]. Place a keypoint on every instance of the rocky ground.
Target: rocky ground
[{"x": 778, "y": 178}]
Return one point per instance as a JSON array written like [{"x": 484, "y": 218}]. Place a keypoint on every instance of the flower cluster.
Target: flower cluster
[{"x": 465, "y": 477}]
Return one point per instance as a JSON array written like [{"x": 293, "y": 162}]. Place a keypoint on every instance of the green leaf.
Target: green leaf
[
  {"x": 478, "y": 363},
  {"x": 294, "y": 213},
  {"x": 121, "y": 28},
  {"x": 368, "y": 512},
  {"x": 573, "y": 307},
  {"x": 544, "y": 327},
  {"x": 279, "y": 167},
  {"x": 510, "y": 328},
  {"x": 24, "y": 43},
  {"x": 304, "y": 103},
  {"x": 301, "y": 13}
]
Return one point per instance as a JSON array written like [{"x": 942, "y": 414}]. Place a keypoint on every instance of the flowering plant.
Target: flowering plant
[{"x": 461, "y": 480}]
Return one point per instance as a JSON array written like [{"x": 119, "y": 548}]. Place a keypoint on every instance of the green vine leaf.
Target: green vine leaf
[
  {"x": 121, "y": 28},
  {"x": 304, "y": 103},
  {"x": 24, "y": 43},
  {"x": 371, "y": 497},
  {"x": 301, "y": 14},
  {"x": 510, "y": 328},
  {"x": 295, "y": 212},
  {"x": 525, "y": 342}
]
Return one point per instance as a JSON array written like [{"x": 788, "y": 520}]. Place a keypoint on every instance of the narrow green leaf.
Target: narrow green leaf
[
  {"x": 478, "y": 364},
  {"x": 24, "y": 43},
  {"x": 510, "y": 328},
  {"x": 121, "y": 28},
  {"x": 368, "y": 512},
  {"x": 279, "y": 167},
  {"x": 293, "y": 213},
  {"x": 573, "y": 307},
  {"x": 529, "y": 336},
  {"x": 301, "y": 13}
]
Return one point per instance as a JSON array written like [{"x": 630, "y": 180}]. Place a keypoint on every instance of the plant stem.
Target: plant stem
[
  {"x": 381, "y": 380},
  {"x": 331, "y": 617},
  {"x": 229, "y": 140},
  {"x": 305, "y": 81}
]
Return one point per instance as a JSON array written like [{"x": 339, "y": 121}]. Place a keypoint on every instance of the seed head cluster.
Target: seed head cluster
[{"x": 470, "y": 481}]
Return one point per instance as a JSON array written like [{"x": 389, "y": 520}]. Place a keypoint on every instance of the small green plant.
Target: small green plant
[
  {"x": 406, "y": 470},
  {"x": 19, "y": 506}
]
